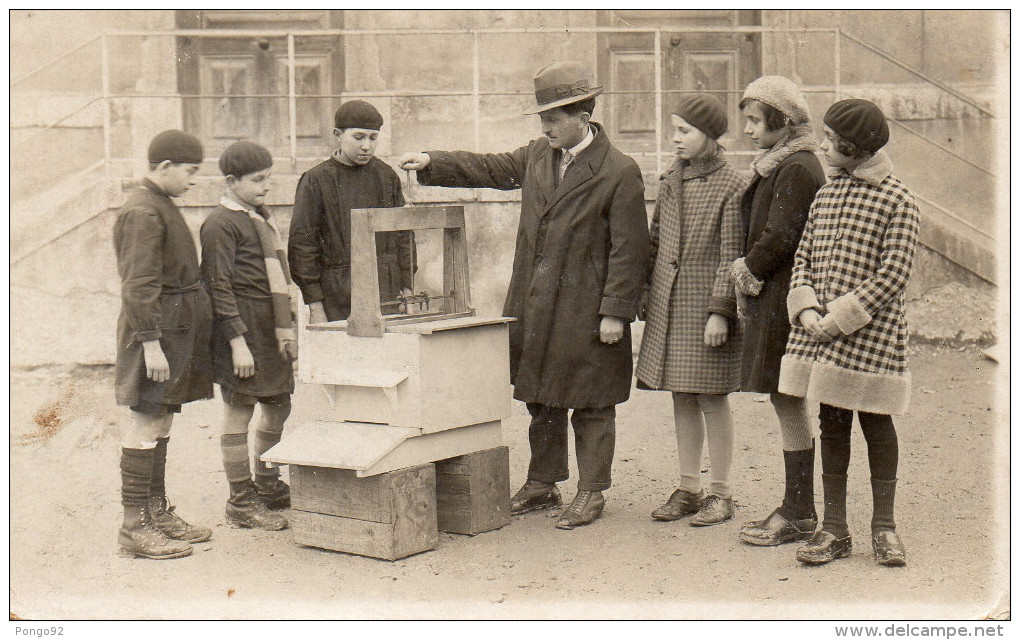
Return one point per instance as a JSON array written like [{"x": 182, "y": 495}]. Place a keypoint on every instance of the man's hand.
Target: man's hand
[
  {"x": 829, "y": 326},
  {"x": 414, "y": 161},
  {"x": 157, "y": 368},
  {"x": 716, "y": 329},
  {"x": 610, "y": 329},
  {"x": 316, "y": 313},
  {"x": 809, "y": 320},
  {"x": 244, "y": 363}
]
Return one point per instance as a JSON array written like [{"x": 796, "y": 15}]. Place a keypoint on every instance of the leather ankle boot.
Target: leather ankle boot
[
  {"x": 140, "y": 538},
  {"x": 245, "y": 509},
  {"x": 275, "y": 493},
  {"x": 172, "y": 525}
]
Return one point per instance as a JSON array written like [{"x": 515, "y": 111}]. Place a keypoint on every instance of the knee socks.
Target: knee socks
[
  {"x": 793, "y": 421},
  {"x": 690, "y": 436},
  {"x": 696, "y": 416},
  {"x": 158, "y": 487},
  {"x": 267, "y": 435},
  {"x": 136, "y": 476},
  {"x": 719, "y": 432}
]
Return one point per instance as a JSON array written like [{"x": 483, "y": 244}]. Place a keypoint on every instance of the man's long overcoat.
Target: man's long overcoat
[{"x": 582, "y": 251}]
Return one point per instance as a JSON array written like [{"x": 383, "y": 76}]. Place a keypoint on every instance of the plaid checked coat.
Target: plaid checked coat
[
  {"x": 696, "y": 234},
  {"x": 853, "y": 262}
]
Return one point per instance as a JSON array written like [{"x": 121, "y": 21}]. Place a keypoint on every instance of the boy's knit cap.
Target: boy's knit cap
[
  {"x": 176, "y": 146},
  {"x": 359, "y": 115},
  {"x": 706, "y": 112},
  {"x": 782, "y": 94},
  {"x": 859, "y": 121},
  {"x": 244, "y": 157}
]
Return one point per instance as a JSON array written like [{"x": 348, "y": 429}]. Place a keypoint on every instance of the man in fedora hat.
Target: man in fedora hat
[{"x": 582, "y": 251}]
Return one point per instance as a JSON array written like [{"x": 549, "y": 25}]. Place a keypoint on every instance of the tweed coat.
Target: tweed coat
[
  {"x": 853, "y": 263},
  {"x": 696, "y": 235},
  {"x": 162, "y": 299},
  {"x": 774, "y": 209},
  {"x": 582, "y": 253}
]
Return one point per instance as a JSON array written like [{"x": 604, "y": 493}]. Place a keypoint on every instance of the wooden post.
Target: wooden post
[{"x": 365, "y": 319}]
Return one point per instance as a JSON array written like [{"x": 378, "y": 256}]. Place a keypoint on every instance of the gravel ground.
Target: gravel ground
[{"x": 952, "y": 514}]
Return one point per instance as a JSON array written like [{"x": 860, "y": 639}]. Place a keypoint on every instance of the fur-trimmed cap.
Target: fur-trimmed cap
[
  {"x": 244, "y": 157},
  {"x": 176, "y": 146},
  {"x": 779, "y": 93},
  {"x": 859, "y": 121}
]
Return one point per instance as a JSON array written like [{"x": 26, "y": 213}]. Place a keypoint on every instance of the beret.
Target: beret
[
  {"x": 359, "y": 115},
  {"x": 244, "y": 157},
  {"x": 779, "y": 93},
  {"x": 176, "y": 146},
  {"x": 859, "y": 121},
  {"x": 705, "y": 112}
]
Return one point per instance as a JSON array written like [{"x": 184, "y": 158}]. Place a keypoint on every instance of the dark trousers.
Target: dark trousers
[
  {"x": 879, "y": 432},
  {"x": 594, "y": 444}
]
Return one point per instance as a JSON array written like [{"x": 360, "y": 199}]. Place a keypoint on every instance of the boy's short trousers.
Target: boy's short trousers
[
  {"x": 235, "y": 399},
  {"x": 155, "y": 409}
]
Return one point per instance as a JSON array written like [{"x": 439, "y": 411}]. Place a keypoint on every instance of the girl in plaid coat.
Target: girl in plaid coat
[
  {"x": 848, "y": 344},
  {"x": 691, "y": 343}
]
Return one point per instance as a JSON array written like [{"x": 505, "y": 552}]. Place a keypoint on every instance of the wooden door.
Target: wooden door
[{"x": 237, "y": 87}]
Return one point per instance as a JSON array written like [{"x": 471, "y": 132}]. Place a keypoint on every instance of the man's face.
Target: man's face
[
  {"x": 176, "y": 179},
  {"x": 756, "y": 128},
  {"x": 252, "y": 188},
  {"x": 563, "y": 129},
  {"x": 357, "y": 146}
]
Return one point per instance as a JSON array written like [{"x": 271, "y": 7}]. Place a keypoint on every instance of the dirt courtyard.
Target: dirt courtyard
[{"x": 952, "y": 511}]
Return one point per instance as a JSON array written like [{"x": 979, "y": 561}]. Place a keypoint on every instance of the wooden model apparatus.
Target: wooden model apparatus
[{"x": 414, "y": 443}]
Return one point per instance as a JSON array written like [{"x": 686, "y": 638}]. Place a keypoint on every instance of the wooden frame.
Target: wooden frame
[{"x": 366, "y": 319}]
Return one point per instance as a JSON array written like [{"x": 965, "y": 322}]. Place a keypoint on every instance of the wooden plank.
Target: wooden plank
[
  {"x": 344, "y": 445},
  {"x": 340, "y": 492},
  {"x": 359, "y": 537},
  {"x": 424, "y": 323},
  {"x": 415, "y": 217},
  {"x": 438, "y": 446},
  {"x": 366, "y": 318},
  {"x": 415, "y": 521},
  {"x": 473, "y": 491}
]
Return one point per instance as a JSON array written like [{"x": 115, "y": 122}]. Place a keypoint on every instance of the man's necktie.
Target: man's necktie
[{"x": 565, "y": 161}]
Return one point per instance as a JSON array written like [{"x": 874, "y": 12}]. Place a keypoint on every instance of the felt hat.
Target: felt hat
[
  {"x": 562, "y": 83},
  {"x": 859, "y": 121},
  {"x": 357, "y": 114},
  {"x": 176, "y": 146},
  {"x": 706, "y": 112},
  {"x": 782, "y": 94},
  {"x": 244, "y": 157}
]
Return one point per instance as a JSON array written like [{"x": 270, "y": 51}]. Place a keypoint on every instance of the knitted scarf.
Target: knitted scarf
[
  {"x": 799, "y": 138},
  {"x": 276, "y": 268}
]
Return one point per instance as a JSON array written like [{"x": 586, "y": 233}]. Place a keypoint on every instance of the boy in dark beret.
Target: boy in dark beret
[
  {"x": 320, "y": 230},
  {"x": 847, "y": 348},
  {"x": 163, "y": 358},
  {"x": 245, "y": 270}
]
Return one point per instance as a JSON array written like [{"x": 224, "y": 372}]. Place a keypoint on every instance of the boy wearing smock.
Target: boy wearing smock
[
  {"x": 245, "y": 270},
  {"x": 319, "y": 246},
  {"x": 848, "y": 345},
  {"x": 163, "y": 358},
  {"x": 691, "y": 343},
  {"x": 786, "y": 176}
]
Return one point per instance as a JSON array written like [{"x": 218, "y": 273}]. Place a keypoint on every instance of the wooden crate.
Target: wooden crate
[
  {"x": 473, "y": 491},
  {"x": 388, "y": 516}
]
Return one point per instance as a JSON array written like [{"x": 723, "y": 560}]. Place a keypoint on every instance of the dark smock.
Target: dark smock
[
  {"x": 161, "y": 298},
  {"x": 319, "y": 247},
  {"x": 234, "y": 273}
]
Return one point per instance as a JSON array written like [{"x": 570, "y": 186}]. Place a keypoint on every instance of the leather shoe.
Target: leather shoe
[
  {"x": 715, "y": 510},
  {"x": 585, "y": 509},
  {"x": 535, "y": 495},
  {"x": 681, "y": 503},
  {"x": 824, "y": 547},
  {"x": 888, "y": 548},
  {"x": 776, "y": 530}
]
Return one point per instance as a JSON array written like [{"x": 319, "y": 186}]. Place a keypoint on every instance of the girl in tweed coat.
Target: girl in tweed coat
[
  {"x": 691, "y": 343},
  {"x": 848, "y": 344}
]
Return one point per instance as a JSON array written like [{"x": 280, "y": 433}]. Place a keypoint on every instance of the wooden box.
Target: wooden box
[
  {"x": 388, "y": 516},
  {"x": 430, "y": 375},
  {"x": 473, "y": 491}
]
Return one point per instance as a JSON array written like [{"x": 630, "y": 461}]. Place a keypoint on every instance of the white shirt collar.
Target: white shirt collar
[
  {"x": 229, "y": 203},
  {"x": 583, "y": 144}
]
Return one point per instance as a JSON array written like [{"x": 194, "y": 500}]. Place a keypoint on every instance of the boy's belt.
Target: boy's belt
[{"x": 195, "y": 286}]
